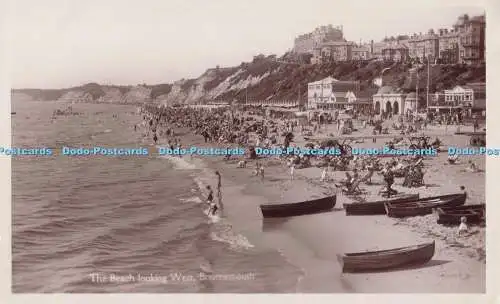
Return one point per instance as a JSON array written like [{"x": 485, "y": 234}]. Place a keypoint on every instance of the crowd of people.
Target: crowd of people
[{"x": 254, "y": 127}]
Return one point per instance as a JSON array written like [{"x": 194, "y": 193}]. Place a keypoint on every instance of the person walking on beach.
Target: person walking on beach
[
  {"x": 292, "y": 171},
  {"x": 261, "y": 172},
  {"x": 212, "y": 209}
]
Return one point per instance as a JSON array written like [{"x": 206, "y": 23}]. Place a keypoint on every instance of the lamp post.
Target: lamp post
[{"x": 428, "y": 83}]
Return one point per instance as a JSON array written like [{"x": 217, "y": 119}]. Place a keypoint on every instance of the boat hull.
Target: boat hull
[
  {"x": 302, "y": 208},
  {"x": 387, "y": 259},
  {"x": 452, "y": 215},
  {"x": 424, "y": 206},
  {"x": 377, "y": 207}
]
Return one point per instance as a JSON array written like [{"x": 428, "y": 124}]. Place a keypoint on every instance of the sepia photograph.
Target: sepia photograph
[{"x": 248, "y": 147}]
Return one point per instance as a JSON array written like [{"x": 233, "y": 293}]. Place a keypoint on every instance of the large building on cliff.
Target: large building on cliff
[
  {"x": 463, "y": 43},
  {"x": 304, "y": 44}
]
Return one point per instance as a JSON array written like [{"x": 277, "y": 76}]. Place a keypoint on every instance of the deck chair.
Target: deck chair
[
  {"x": 367, "y": 178},
  {"x": 353, "y": 189}
]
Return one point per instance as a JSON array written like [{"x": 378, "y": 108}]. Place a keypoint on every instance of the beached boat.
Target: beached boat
[
  {"x": 377, "y": 207},
  {"x": 387, "y": 259},
  {"x": 12, "y": 113},
  {"x": 302, "y": 208},
  {"x": 425, "y": 205},
  {"x": 451, "y": 215}
]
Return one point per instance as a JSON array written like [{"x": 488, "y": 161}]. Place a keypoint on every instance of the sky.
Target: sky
[{"x": 63, "y": 43}]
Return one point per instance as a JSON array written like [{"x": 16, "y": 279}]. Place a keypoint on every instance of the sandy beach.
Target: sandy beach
[{"x": 313, "y": 241}]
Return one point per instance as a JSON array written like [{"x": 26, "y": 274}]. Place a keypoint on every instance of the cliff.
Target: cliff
[{"x": 264, "y": 78}]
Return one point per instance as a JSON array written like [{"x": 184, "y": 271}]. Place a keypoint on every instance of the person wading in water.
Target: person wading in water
[
  {"x": 219, "y": 188},
  {"x": 210, "y": 200}
]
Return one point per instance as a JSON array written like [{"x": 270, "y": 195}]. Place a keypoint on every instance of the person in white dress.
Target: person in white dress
[{"x": 323, "y": 174}]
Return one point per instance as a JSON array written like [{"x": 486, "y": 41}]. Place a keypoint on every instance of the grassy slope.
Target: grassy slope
[{"x": 285, "y": 80}]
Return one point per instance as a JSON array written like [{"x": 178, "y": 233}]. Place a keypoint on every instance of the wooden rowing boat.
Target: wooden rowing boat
[
  {"x": 301, "y": 208},
  {"x": 451, "y": 215},
  {"x": 424, "y": 206},
  {"x": 387, "y": 259},
  {"x": 377, "y": 207}
]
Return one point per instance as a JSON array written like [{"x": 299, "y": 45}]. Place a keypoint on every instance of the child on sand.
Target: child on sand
[
  {"x": 472, "y": 167},
  {"x": 463, "y": 228},
  {"x": 257, "y": 169}
]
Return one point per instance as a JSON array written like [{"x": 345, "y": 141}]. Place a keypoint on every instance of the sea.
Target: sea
[{"x": 108, "y": 224}]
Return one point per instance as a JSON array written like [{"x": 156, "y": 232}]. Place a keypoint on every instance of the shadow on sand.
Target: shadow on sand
[{"x": 270, "y": 224}]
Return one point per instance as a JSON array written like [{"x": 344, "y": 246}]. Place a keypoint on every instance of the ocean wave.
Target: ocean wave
[
  {"x": 51, "y": 227},
  {"x": 179, "y": 162}
]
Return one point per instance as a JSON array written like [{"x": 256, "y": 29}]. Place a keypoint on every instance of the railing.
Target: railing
[{"x": 277, "y": 103}]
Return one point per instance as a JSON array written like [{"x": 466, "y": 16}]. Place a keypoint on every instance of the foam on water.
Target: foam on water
[
  {"x": 193, "y": 199},
  {"x": 234, "y": 240}
]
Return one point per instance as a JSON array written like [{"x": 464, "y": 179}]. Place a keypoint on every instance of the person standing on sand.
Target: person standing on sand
[
  {"x": 292, "y": 171},
  {"x": 324, "y": 174},
  {"x": 261, "y": 172}
]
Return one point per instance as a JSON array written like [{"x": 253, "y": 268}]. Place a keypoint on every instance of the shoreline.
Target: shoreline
[{"x": 312, "y": 242}]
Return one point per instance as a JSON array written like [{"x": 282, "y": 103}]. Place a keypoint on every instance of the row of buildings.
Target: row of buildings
[
  {"x": 463, "y": 43},
  {"x": 331, "y": 94}
]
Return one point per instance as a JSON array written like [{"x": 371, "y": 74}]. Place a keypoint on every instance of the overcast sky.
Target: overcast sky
[{"x": 62, "y": 43}]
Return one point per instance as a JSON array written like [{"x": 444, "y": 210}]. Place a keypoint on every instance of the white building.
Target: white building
[
  {"x": 330, "y": 93},
  {"x": 459, "y": 95},
  {"x": 389, "y": 100},
  {"x": 470, "y": 96}
]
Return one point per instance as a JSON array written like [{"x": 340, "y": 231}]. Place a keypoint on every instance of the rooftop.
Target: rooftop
[{"x": 388, "y": 90}]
